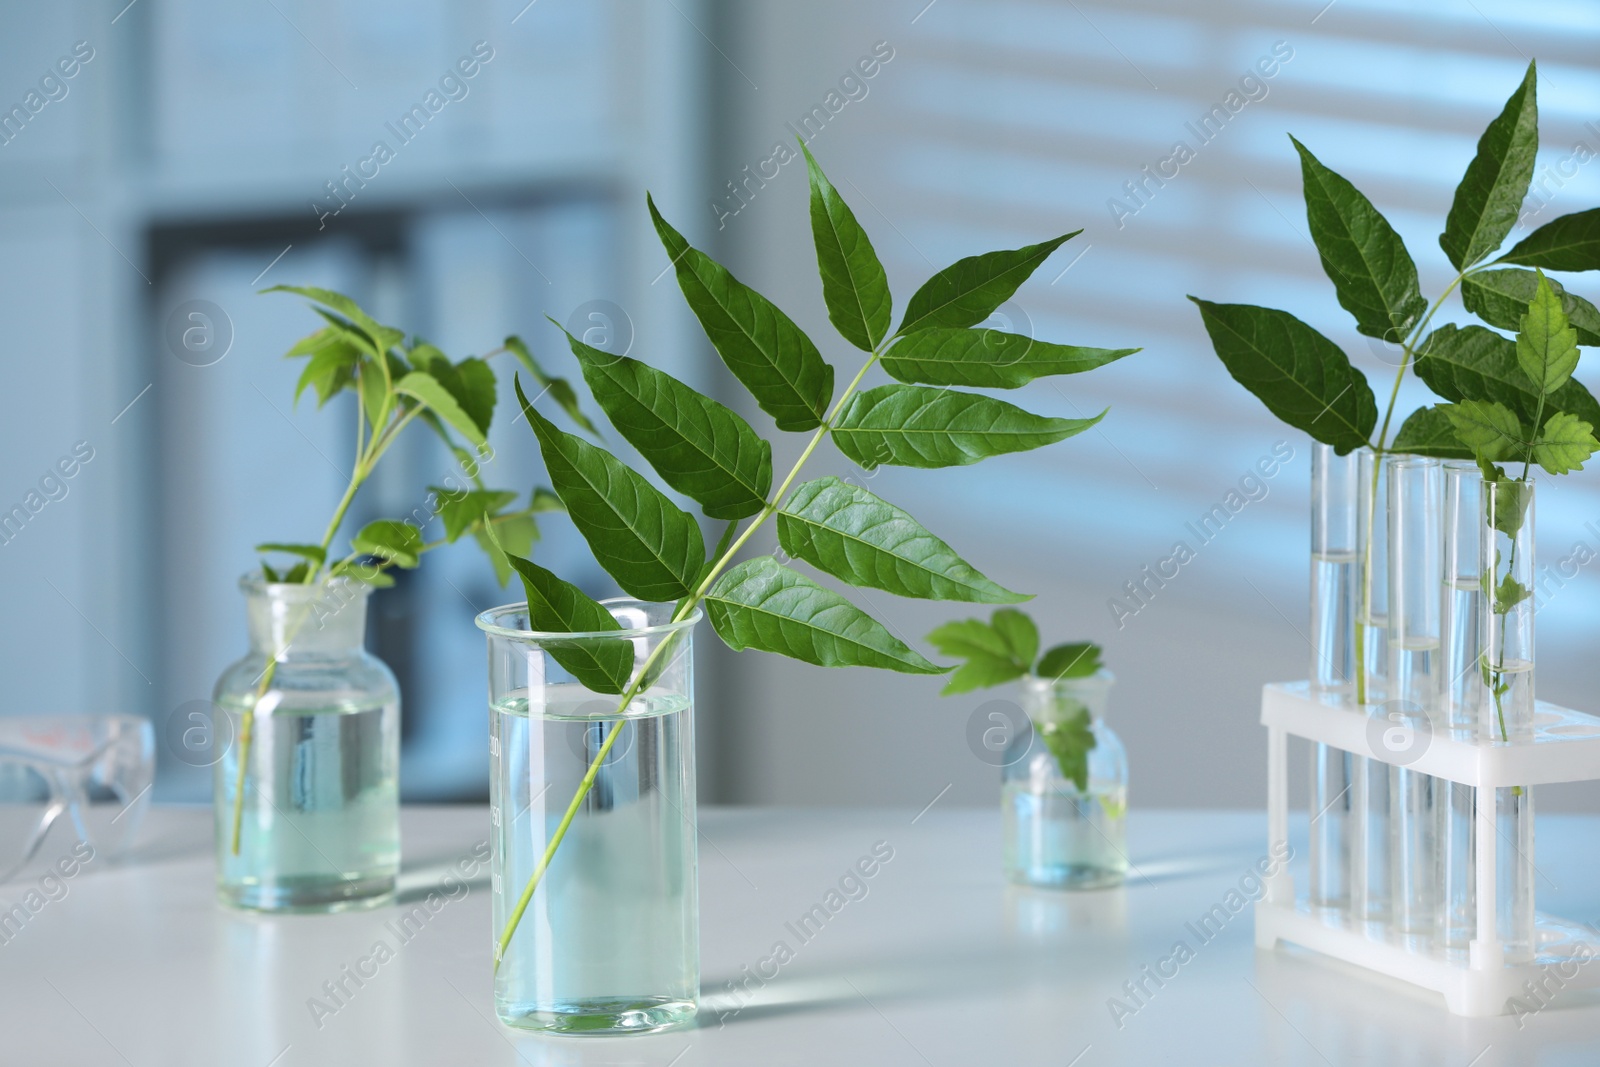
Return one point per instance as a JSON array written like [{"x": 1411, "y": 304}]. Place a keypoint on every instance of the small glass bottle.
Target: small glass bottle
[
  {"x": 307, "y": 795},
  {"x": 1056, "y": 835}
]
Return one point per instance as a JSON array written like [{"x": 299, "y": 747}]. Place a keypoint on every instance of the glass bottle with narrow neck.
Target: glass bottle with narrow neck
[{"x": 312, "y": 820}]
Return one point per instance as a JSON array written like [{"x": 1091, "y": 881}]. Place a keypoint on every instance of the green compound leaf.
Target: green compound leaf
[
  {"x": 1080, "y": 659},
  {"x": 1571, "y": 242},
  {"x": 331, "y": 368},
  {"x": 969, "y": 290},
  {"x": 390, "y": 540},
  {"x": 914, "y": 426},
  {"x": 854, "y": 286},
  {"x": 1302, "y": 377},
  {"x": 652, "y": 548},
  {"x": 1491, "y": 192},
  {"x": 1490, "y": 429},
  {"x": 1564, "y": 444},
  {"x": 862, "y": 539},
  {"x": 764, "y": 605},
  {"x": 1501, "y": 297},
  {"x": 1429, "y": 432},
  {"x": 699, "y": 447},
  {"x": 1472, "y": 363},
  {"x": 987, "y": 359},
  {"x": 1547, "y": 347},
  {"x": 761, "y": 345},
  {"x": 1372, "y": 273},
  {"x": 424, "y": 387},
  {"x": 996, "y": 651}
]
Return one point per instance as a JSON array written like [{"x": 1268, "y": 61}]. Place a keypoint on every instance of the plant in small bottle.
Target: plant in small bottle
[
  {"x": 308, "y": 675},
  {"x": 928, "y": 415}
]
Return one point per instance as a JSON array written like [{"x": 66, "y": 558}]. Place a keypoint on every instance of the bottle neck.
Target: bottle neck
[
  {"x": 299, "y": 622},
  {"x": 1050, "y": 700}
]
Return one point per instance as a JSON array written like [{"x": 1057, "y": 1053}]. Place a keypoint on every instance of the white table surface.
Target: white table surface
[{"x": 940, "y": 963}]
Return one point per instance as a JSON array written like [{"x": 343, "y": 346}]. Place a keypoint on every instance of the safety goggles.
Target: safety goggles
[{"x": 92, "y": 772}]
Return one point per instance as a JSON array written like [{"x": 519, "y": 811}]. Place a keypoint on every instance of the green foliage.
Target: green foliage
[
  {"x": 1372, "y": 273},
  {"x": 1547, "y": 347},
  {"x": 1429, "y": 432},
  {"x": 699, "y": 447},
  {"x": 1491, "y": 192},
  {"x": 970, "y": 290},
  {"x": 859, "y": 538},
  {"x": 1571, "y": 242},
  {"x": 1300, "y": 375},
  {"x": 1501, "y": 298},
  {"x": 560, "y": 389},
  {"x": 854, "y": 285},
  {"x": 650, "y": 546},
  {"x": 761, "y": 345},
  {"x": 915, "y": 426},
  {"x": 988, "y": 359},
  {"x": 1070, "y": 737},
  {"x": 1472, "y": 363},
  {"x": 1004, "y": 649},
  {"x": 764, "y": 605},
  {"x": 395, "y": 385}
]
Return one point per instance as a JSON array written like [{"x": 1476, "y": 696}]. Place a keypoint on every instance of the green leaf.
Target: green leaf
[
  {"x": 506, "y": 536},
  {"x": 914, "y": 426},
  {"x": 854, "y": 285},
  {"x": 857, "y": 537},
  {"x": 1429, "y": 432},
  {"x": 1564, "y": 444},
  {"x": 1302, "y": 377},
  {"x": 1069, "y": 739},
  {"x": 602, "y": 665},
  {"x": 653, "y": 549},
  {"x": 330, "y": 371},
  {"x": 699, "y": 447},
  {"x": 1372, "y": 273},
  {"x": 1501, "y": 298},
  {"x": 980, "y": 671},
  {"x": 1508, "y": 594},
  {"x": 1019, "y": 633},
  {"x": 473, "y": 386},
  {"x": 974, "y": 637},
  {"x": 376, "y": 399},
  {"x": 268, "y": 573},
  {"x": 1490, "y": 429},
  {"x": 996, "y": 651},
  {"x": 382, "y": 337},
  {"x": 1571, "y": 242},
  {"x": 761, "y": 345},
  {"x": 559, "y": 388},
  {"x": 987, "y": 359},
  {"x": 424, "y": 387},
  {"x": 1491, "y": 192},
  {"x": 1079, "y": 659},
  {"x": 459, "y": 509},
  {"x": 397, "y": 542},
  {"x": 1472, "y": 363},
  {"x": 315, "y": 553},
  {"x": 370, "y": 575},
  {"x": 764, "y": 605},
  {"x": 1506, "y": 500},
  {"x": 969, "y": 290},
  {"x": 1547, "y": 347}
]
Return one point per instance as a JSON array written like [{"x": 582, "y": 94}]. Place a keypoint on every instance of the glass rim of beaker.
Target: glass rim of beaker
[
  {"x": 254, "y": 582},
  {"x": 487, "y": 622}
]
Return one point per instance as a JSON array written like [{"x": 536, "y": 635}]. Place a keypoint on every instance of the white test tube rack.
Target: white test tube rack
[{"x": 1565, "y": 748}]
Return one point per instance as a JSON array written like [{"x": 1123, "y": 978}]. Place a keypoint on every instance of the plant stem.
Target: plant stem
[{"x": 684, "y": 610}]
